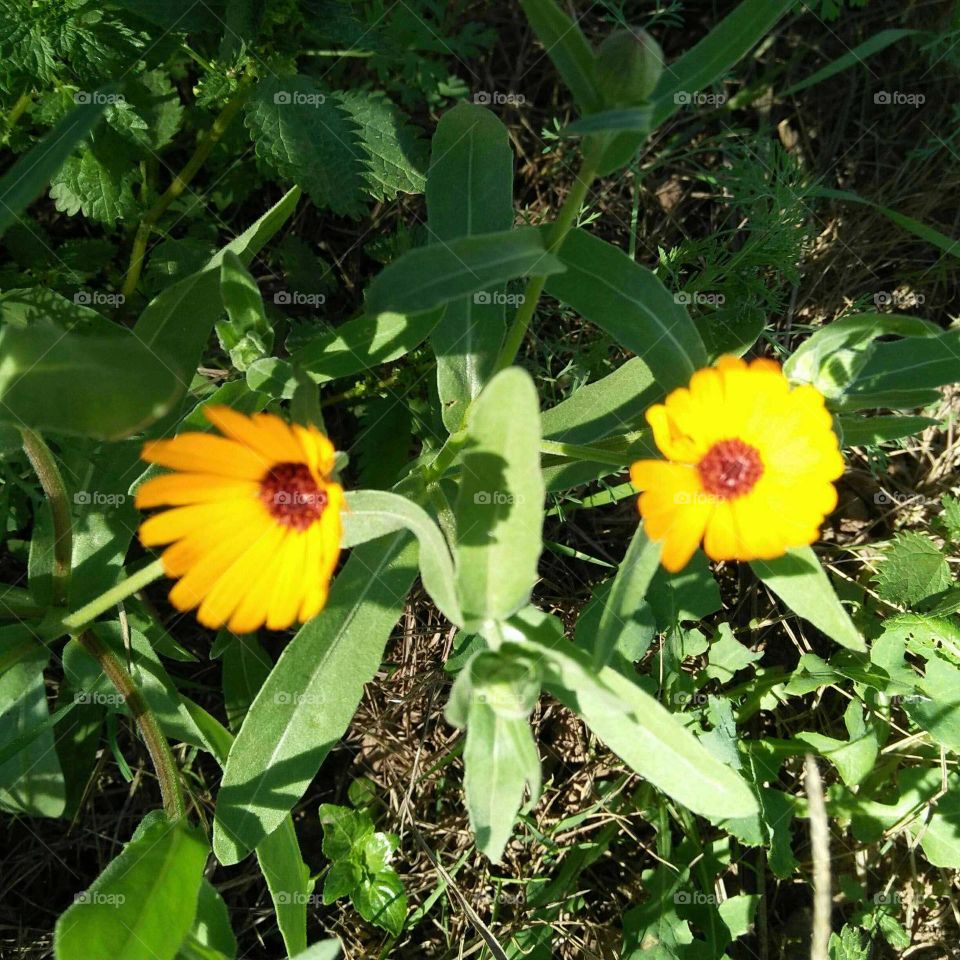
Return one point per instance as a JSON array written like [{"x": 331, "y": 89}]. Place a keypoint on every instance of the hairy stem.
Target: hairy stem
[
  {"x": 48, "y": 473},
  {"x": 160, "y": 753},
  {"x": 80, "y": 619},
  {"x": 180, "y": 183}
]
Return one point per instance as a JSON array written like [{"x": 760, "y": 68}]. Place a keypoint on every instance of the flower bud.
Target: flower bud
[{"x": 629, "y": 65}]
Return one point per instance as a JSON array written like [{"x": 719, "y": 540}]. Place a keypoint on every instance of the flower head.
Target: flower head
[
  {"x": 254, "y": 531},
  {"x": 749, "y": 468}
]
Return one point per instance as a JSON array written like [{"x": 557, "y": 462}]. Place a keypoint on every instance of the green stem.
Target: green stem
[
  {"x": 558, "y": 232},
  {"x": 180, "y": 183},
  {"x": 445, "y": 458},
  {"x": 48, "y": 473},
  {"x": 573, "y": 451},
  {"x": 82, "y": 618},
  {"x": 16, "y": 112},
  {"x": 160, "y": 753}
]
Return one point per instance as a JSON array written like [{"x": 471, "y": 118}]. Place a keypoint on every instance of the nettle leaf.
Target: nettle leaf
[
  {"x": 913, "y": 570},
  {"x": 98, "y": 182},
  {"x": 950, "y": 517},
  {"x": 143, "y": 905},
  {"x": 340, "y": 147}
]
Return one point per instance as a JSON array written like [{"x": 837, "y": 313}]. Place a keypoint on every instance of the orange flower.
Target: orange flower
[
  {"x": 255, "y": 527},
  {"x": 749, "y": 469}
]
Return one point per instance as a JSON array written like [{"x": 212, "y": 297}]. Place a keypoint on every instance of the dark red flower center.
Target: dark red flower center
[
  {"x": 292, "y": 496},
  {"x": 730, "y": 469}
]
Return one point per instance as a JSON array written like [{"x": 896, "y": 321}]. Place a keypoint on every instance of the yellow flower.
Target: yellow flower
[
  {"x": 750, "y": 465},
  {"x": 255, "y": 528}
]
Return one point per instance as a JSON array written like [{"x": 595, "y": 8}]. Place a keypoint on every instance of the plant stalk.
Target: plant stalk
[
  {"x": 48, "y": 473},
  {"x": 80, "y": 619},
  {"x": 160, "y": 753}
]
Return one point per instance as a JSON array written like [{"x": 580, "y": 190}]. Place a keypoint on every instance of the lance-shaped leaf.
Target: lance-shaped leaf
[
  {"x": 469, "y": 192},
  {"x": 431, "y": 276},
  {"x": 246, "y": 334},
  {"x": 105, "y": 387},
  {"x": 628, "y": 302},
  {"x": 632, "y": 723},
  {"x": 142, "y": 906},
  {"x": 308, "y": 700},
  {"x": 499, "y": 509},
  {"x": 801, "y": 583}
]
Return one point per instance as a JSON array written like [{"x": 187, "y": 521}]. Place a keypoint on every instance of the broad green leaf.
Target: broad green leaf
[
  {"x": 469, "y": 192},
  {"x": 31, "y": 781},
  {"x": 211, "y": 926},
  {"x": 631, "y": 722},
  {"x": 327, "y": 950},
  {"x": 97, "y": 183},
  {"x": 728, "y": 655},
  {"x": 429, "y": 277},
  {"x": 854, "y": 758},
  {"x": 375, "y": 513},
  {"x": 833, "y": 358},
  {"x": 25, "y": 180},
  {"x": 311, "y": 695},
  {"x": 493, "y": 698},
  {"x": 246, "y": 665},
  {"x": 499, "y": 508},
  {"x": 568, "y": 48},
  {"x": 246, "y": 334},
  {"x": 938, "y": 712},
  {"x": 178, "y": 322},
  {"x": 287, "y": 876},
  {"x": 628, "y": 302},
  {"x": 95, "y": 386},
  {"x": 143, "y": 904},
  {"x": 709, "y": 60},
  {"x": 802, "y": 584},
  {"x": 381, "y": 899},
  {"x": 914, "y": 569},
  {"x": 854, "y": 57},
  {"x": 871, "y": 431},
  {"x": 626, "y": 596},
  {"x": 633, "y": 119}
]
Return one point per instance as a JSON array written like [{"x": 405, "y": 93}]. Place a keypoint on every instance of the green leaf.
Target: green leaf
[
  {"x": 913, "y": 570},
  {"x": 310, "y": 696},
  {"x": 469, "y": 192},
  {"x": 493, "y": 698},
  {"x": 247, "y": 334},
  {"x": 568, "y": 48},
  {"x": 326, "y": 950},
  {"x": 628, "y": 302},
  {"x": 431, "y": 276},
  {"x": 626, "y": 595},
  {"x": 833, "y": 358},
  {"x": 25, "y": 180},
  {"x": 97, "y": 183},
  {"x": 727, "y": 655},
  {"x": 307, "y": 136},
  {"x": 95, "y": 386},
  {"x": 342, "y": 879},
  {"x": 376, "y": 513},
  {"x": 951, "y": 515},
  {"x": 801, "y": 583},
  {"x": 631, "y": 722},
  {"x": 178, "y": 321},
  {"x": 871, "y": 431},
  {"x": 709, "y": 60},
  {"x": 246, "y": 665},
  {"x": 633, "y": 119},
  {"x": 854, "y": 758},
  {"x": 142, "y": 906},
  {"x": 211, "y": 926},
  {"x": 31, "y": 781},
  {"x": 381, "y": 899},
  {"x": 855, "y": 57},
  {"x": 499, "y": 508}
]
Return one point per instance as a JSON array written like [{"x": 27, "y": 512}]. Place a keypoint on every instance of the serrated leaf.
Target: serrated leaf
[
  {"x": 913, "y": 570},
  {"x": 99, "y": 187},
  {"x": 727, "y": 655}
]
